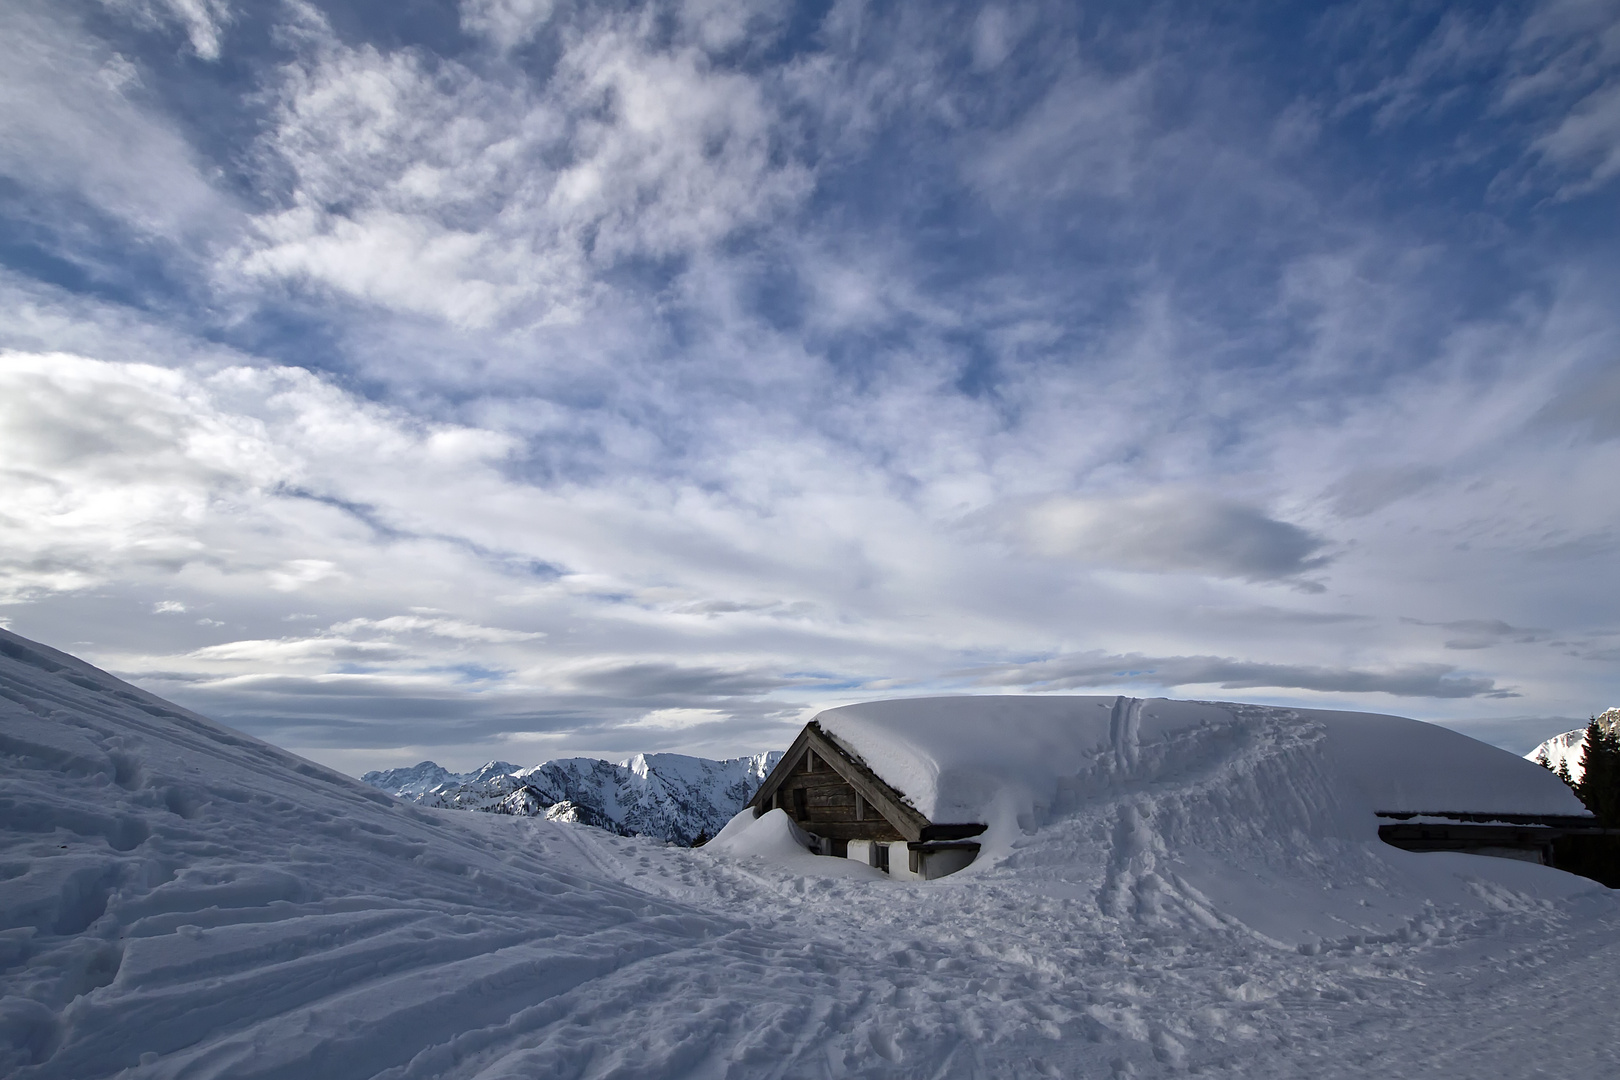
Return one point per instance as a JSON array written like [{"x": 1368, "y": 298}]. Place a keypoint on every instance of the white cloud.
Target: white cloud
[
  {"x": 506, "y": 23},
  {"x": 1097, "y": 669},
  {"x": 1589, "y": 137},
  {"x": 203, "y": 21},
  {"x": 1568, "y": 56},
  {"x": 1088, "y": 136},
  {"x": 77, "y": 128},
  {"x": 1588, "y": 404},
  {"x": 1171, "y": 531},
  {"x": 722, "y": 25},
  {"x": 113, "y": 465},
  {"x": 295, "y": 574},
  {"x": 278, "y": 653},
  {"x": 996, "y": 31},
  {"x": 454, "y": 629},
  {"x": 425, "y": 187},
  {"x": 1366, "y": 490}
]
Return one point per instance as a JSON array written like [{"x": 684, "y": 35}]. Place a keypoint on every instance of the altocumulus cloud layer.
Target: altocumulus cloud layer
[{"x": 520, "y": 377}]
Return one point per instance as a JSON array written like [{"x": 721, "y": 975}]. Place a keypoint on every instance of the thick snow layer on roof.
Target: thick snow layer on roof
[{"x": 984, "y": 758}]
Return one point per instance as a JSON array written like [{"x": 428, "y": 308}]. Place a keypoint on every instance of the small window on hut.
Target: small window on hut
[
  {"x": 880, "y": 857},
  {"x": 801, "y": 808}
]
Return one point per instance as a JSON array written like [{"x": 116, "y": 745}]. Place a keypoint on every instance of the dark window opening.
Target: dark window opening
[
  {"x": 880, "y": 853},
  {"x": 801, "y": 809}
]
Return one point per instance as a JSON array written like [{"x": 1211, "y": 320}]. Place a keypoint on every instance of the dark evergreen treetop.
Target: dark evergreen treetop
[{"x": 1599, "y": 787}]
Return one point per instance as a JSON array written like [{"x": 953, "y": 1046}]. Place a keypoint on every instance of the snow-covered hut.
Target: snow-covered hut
[
  {"x": 919, "y": 787},
  {"x": 850, "y": 811}
]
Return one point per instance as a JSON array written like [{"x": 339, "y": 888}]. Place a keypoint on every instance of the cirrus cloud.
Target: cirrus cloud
[{"x": 1098, "y": 669}]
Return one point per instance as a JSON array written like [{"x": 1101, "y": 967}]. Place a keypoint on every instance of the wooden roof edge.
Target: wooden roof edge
[
  {"x": 907, "y": 820},
  {"x": 1486, "y": 817},
  {"x": 884, "y": 799},
  {"x": 777, "y": 775},
  {"x": 946, "y": 831}
]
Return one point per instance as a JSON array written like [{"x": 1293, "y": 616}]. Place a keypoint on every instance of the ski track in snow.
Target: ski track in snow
[{"x": 179, "y": 900}]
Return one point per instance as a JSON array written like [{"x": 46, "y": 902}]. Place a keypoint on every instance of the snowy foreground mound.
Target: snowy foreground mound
[
  {"x": 669, "y": 796},
  {"x": 180, "y": 900}
]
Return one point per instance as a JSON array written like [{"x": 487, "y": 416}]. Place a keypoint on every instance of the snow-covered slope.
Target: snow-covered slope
[
  {"x": 1567, "y": 749},
  {"x": 1564, "y": 750},
  {"x": 670, "y": 796},
  {"x": 177, "y": 898},
  {"x": 180, "y": 900}
]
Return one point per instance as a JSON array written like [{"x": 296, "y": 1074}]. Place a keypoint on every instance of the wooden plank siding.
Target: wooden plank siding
[
  {"x": 831, "y": 793},
  {"x": 843, "y": 800},
  {"x": 829, "y": 806}
]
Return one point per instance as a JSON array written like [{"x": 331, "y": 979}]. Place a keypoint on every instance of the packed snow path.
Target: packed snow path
[{"x": 179, "y": 900}]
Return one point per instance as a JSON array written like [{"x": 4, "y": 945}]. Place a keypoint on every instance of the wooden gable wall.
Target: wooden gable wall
[
  {"x": 823, "y": 802},
  {"x": 835, "y": 796}
]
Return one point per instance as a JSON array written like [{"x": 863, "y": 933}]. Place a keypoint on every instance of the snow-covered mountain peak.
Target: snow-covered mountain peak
[
  {"x": 493, "y": 769},
  {"x": 1564, "y": 752},
  {"x": 671, "y": 796},
  {"x": 416, "y": 780}
]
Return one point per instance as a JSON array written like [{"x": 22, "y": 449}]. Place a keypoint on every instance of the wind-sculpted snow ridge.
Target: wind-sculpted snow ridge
[
  {"x": 180, "y": 900},
  {"x": 1569, "y": 749},
  {"x": 669, "y": 796}
]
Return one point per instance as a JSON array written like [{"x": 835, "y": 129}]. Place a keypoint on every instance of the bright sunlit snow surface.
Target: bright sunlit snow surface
[{"x": 1177, "y": 887}]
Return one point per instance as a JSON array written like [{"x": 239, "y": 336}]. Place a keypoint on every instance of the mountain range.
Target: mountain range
[{"x": 670, "y": 796}]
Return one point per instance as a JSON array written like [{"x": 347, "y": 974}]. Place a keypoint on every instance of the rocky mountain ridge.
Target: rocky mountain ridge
[
  {"x": 1568, "y": 748},
  {"x": 671, "y": 796}
]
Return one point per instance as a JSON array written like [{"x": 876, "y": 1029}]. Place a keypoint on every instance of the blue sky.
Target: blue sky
[{"x": 521, "y": 378}]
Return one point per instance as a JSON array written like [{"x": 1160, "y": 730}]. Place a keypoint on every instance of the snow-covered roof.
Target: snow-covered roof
[{"x": 985, "y": 758}]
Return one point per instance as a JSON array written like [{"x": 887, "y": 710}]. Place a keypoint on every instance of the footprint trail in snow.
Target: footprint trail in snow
[{"x": 180, "y": 900}]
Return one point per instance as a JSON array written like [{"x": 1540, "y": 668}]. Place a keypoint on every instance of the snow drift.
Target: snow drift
[
  {"x": 1196, "y": 890},
  {"x": 177, "y": 898},
  {"x": 1184, "y": 810}
]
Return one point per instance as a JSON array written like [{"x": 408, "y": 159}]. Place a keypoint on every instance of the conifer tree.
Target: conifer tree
[
  {"x": 1562, "y": 772},
  {"x": 1599, "y": 788}
]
